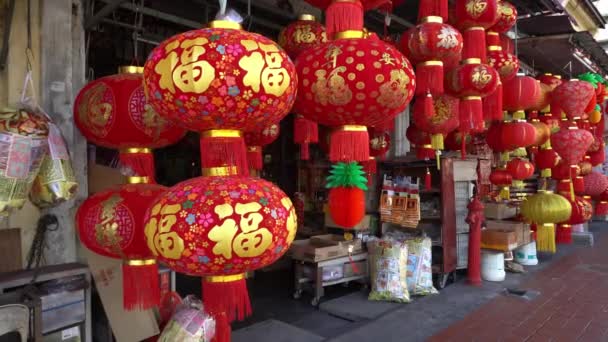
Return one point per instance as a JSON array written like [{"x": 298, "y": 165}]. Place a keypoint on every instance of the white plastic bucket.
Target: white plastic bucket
[
  {"x": 492, "y": 265},
  {"x": 526, "y": 254}
]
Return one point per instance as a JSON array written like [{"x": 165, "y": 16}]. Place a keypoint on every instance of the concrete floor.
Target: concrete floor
[{"x": 271, "y": 295}]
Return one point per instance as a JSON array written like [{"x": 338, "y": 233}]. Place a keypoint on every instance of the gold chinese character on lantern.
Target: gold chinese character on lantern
[
  {"x": 332, "y": 89},
  {"x": 247, "y": 239},
  {"x": 106, "y": 231},
  {"x": 100, "y": 111},
  {"x": 332, "y": 56},
  {"x": 476, "y": 7},
  {"x": 292, "y": 220},
  {"x": 159, "y": 237},
  {"x": 480, "y": 77},
  {"x": 304, "y": 35},
  {"x": 266, "y": 68},
  {"x": 186, "y": 71},
  {"x": 387, "y": 59}
]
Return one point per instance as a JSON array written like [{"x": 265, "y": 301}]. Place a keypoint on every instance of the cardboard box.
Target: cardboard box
[
  {"x": 319, "y": 248},
  {"x": 499, "y": 239},
  {"x": 102, "y": 177},
  {"x": 499, "y": 211},
  {"x": 365, "y": 223},
  {"x": 338, "y": 240},
  {"x": 521, "y": 229}
]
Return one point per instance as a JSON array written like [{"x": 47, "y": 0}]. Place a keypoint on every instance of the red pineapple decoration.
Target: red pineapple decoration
[
  {"x": 351, "y": 83},
  {"x": 256, "y": 141},
  {"x": 301, "y": 35},
  {"x": 347, "y": 185},
  {"x": 221, "y": 81},
  {"x": 112, "y": 112}
]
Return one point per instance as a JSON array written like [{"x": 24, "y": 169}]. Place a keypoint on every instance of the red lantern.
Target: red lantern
[
  {"x": 507, "y": 16},
  {"x": 545, "y": 160},
  {"x": 473, "y": 79},
  {"x": 520, "y": 169},
  {"x": 543, "y": 132},
  {"x": 563, "y": 171},
  {"x": 544, "y": 98},
  {"x": 221, "y": 228},
  {"x": 508, "y": 136},
  {"x": 595, "y": 184},
  {"x": 112, "y": 112},
  {"x": 453, "y": 141},
  {"x": 351, "y": 83},
  {"x": 111, "y": 223},
  {"x": 520, "y": 93},
  {"x": 476, "y": 13},
  {"x": 444, "y": 120},
  {"x": 571, "y": 144},
  {"x": 582, "y": 210},
  {"x": 431, "y": 40},
  {"x": 221, "y": 81},
  {"x": 256, "y": 141},
  {"x": 502, "y": 179},
  {"x": 379, "y": 143},
  {"x": 573, "y": 97},
  {"x": 301, "y": 35},
  {"x": 551, "y": 80},
  {"x": 505, "y": 63},
  {"x": 551, "y": 121},
  {"x": 598, "y": 157}
]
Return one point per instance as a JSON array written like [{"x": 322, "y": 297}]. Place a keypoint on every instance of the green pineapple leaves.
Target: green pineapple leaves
[
  {"x": 592, "y": 78},
  {"x": 347, "y": 175}
]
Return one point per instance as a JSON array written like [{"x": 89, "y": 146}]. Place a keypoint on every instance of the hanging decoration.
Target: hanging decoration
[
  {"x": 571, "y": 144},
  {"x": 545, "y": 209},
  {"x": 255, "y": 143},
  {"x": 520, "y": 170},
  {"x": 352, "y": 83},
  {"x": 596, "y": 184},
  {"x": 573, "y": 97},
  {"x": 347, "y": 185},
  {"x": 379, "y": 144},
  {"x": 502, "y": 179},
  {"x": 582, "y": 211}
]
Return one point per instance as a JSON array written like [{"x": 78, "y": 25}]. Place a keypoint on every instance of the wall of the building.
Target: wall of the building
[{"x": 58, "y": 71}]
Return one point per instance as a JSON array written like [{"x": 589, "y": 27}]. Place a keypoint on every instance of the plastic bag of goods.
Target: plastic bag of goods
[
  {"x": 388, "y": 267},
  {"x": 419, "y": 266},
  {"x": 190, "y": 323},
  {"x": 55, "y": 182},
  {"x": 23, "y": 145}
]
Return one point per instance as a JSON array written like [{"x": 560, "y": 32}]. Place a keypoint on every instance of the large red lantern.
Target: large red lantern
[
  {"x": 507, "y": 16},
  {"x": 572, "y": 97},
  {"x": 221, "y": 81},
  {"x": 221, "y": 228},
  {"x": 508, "y": 136},
  {"x": 476, "y": 13},
  {"x": 111, "y": 223},
  {"x": 256, "y": 141},
  {"x": 351, "y": 83},
  {"x": 301, "y": 35},
  {"x": 520, "y": 93},
  {"x": 113, "y": 112},
  {"x": 571, "y": 144},
  {"x": 520, "y": 169},
  {"x": 596, "y": 183},
  {"x": 505, "y": 63}
]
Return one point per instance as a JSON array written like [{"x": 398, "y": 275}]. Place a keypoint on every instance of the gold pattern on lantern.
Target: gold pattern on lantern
[
  {"x": 266, "y": 69},
  {"x": 360, "y": 53},
  {"x": 480, "y": 77},
  {"x": 360, "y": 85},
  {"x": 442, "y": 111},
  {"x": 360, "y": 96},
  {"x": 351, "y": 76},
  {"x": 378, "y": 143},
  {"x": 106, "y": 231},
  {"x": 475, "y": 8},
  {"x": 394, "y": 92},
  {"x": 505, "y": 10},
  {"x": 377, "y": 65},
  {"x": 375, "y": 53},
  {"x": 304, "y": 35},
  {"x": 387, "y": 59},
  {"x": 379, "y": 78},
  {"x": 100, "y": 112},
  {"x": 332, "y": 55},
  {"x": 292, "y": 219},
  {"x": 159, "y": 237},
  {"x": 187, "y": 73},
  {"x": 360, "y": 67},
  {"x": 332, "y": 89},
  {"x": 251, "y": 241},
  {"x": 448, "y": 38},
  {"x": 349, "y": 60},
  {"x": 306, "y": 70}
]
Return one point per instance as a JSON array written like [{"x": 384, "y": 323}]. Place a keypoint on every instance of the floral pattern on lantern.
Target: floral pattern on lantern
[
  {"x": 220, "y": 78},
  {"x": 595, "y": 184},
  {"x": 220, "y": 225}
]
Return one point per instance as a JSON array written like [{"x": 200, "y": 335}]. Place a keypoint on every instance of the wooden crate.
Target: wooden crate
[{"x": 314, "y": 250}]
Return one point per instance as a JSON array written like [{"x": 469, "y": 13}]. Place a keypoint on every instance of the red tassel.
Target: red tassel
[
  {"x": 563, "y": 234},
  {"x": 141, "y": 290},
  {"x": 222, "y": 328},
  {"x": 428, "y": 106},
  {"x": 349, "y": 143},
  {"x": 427, "y": 179},
  {"x": 429, "y": 78},
  {"x": 254, "y": 157},
  {"x": 140, "y": 161},
  {"x": 493, "y": 39},
  {"x": 471, "y": 109},
  {"x": 492, "y": 105},
  {"x": 436, "y": 8},
  {"x": 370, "y": 168},
  {"x": 474, "y": 44},
  {"x": 343, "y": 15},
  {"x": 222, "y": 151},
  {"x": 305, "y": 132},
  {"x": 228, "y": 297}
]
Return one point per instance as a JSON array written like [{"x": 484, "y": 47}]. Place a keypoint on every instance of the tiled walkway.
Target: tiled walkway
[{"x": 572, "y": 305}]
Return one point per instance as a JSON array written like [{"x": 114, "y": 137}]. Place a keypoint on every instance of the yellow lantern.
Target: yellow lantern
[{"x": 545, "y": 209}]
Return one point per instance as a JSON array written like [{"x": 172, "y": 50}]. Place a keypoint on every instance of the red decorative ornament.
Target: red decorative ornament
[
  {"x": 507, "y": 16},
  {"x": 596, "y": 184},
  {"x": 221, "y": 81},
  {"x": 508, "y": 136},
  {"x": 256, "y": 141},
  {"x": 582, "y": 210},
  {"x": 305, "y": 132},
  {"x": 453, "y": 141},
  {"x": 545, "y": 160},
  {"x": 520, "y": 169},
  {"x": 598, "y": 157},
  {"x": 507, "y": 44},
  {"x": 571, "y": 144},
  {"x": 476, "y": 13},
  {"x": 352, "y": 83},
  {"x": 444, "y": 120},
  {"x": 543, "y": 132},
  {"x": 379, "y": 143},
  {"x": 428, "y": 8},
  {"x": 544, "y": 98},
  {"x": 572, "y": 97},
  {"x": 520, "y": 93},
  {"x": 302, "y": 34},
  {"x": 506, "y": 64},
  {"x": 551, "y": 80},
  {"x": 551, "y": 121},
  {"x": 502, "y": 179},
  {"x": 432, "y": 39},
  {"x": 113, "y": 112},
  {"x": 563, "y": 171},
  {"x": 111, "y": 223},
  {"x": 221, "y": 228}
]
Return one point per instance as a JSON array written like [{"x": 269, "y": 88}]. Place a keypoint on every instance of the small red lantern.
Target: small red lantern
[
  {"x": 508, "y": 136},
  {"x": 595, "y": 184},
  {"x": 506, "y": 64},
  {"x": 301, "y": 35},
  {"x": 432, "y": 39},
  {"x": 598, "y": 157},
  {"x": 352, "y": 83},
  {"x": 256, "y": 141},
  {"x": 520, "y": 93},
  {"x": 507, "y": 44},
  {"x": 520, "y": 169},
  {"x": 111, "y": 223},
  {"x": 582, "y": 211},
  {"x": 221, "y": 81},
  {"x": 476, "y": 13},
  {"x": 545, "y": 160},
  {"x": 444, "y": 120},
  {"x": 573, "y": 97},
  {"x": 551, "y": 80},
  {"x": 502, "y": 179},
  {"x": 543, "y": 132},
  {"x": 221, "y": 228},
  {"x": 507, "y": 16}
]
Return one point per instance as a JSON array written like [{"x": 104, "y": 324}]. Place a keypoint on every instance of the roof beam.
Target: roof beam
[{"x": 107, "y": 9}]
